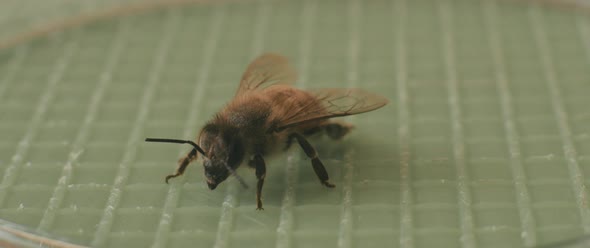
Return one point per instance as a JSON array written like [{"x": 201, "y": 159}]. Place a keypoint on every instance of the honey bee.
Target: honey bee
[{"x": 264, "y": 117}]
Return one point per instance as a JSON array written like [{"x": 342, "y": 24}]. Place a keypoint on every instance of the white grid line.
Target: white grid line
[
  {"x": 261, "y": 27},
  {"x": 175, "y": 189},
  {"x": 17, "y": 64},
  {"x": 78, "y": 144},
  {"x": 61, "y": 65},
  {"x": 584, "y": 31},
  {"x": 346, "y": 222},
  {"x": 230, "y": 202},
  {"x": 523, "y": 201},
  {"x": 404, "y": 134},
  {"x": 106, "y": 222},
  {"x": 231, "y": 199},
  {"x": 561, "y": 116},
  {"x": 226, "y": 218},
  {"x": 464, "y": 192},
  {"x": 287, "y": 220}
]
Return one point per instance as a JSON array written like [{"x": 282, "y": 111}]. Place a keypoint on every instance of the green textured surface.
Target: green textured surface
[
  {"x": 17, "y": 16},
  {"x": 486, "y": 142}
]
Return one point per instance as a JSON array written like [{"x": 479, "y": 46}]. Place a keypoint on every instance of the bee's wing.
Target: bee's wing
[
  {"x": 266, "y": 70},
  {"x": 331, "y": 103}
]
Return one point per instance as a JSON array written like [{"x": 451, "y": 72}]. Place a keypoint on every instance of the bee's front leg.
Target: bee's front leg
[
  {"x": 258, "y": 163},
  {"x": 183, "y": 163}
]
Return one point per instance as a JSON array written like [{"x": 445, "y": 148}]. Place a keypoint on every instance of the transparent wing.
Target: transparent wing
[
  {"x": 266, "y": 70},
  {"x": 331, "y": 103}
]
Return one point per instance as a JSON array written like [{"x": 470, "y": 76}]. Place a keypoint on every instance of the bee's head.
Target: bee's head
[
  {"x": 224, "y": 151},
  {"x": 215, "y": 172}
]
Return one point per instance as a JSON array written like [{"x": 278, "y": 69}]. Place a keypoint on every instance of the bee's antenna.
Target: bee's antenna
[
  {"x": 233, "y": 172},
  {"x": 177, "y": 141}
]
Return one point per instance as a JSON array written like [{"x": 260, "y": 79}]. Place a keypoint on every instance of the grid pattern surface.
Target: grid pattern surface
[
  {"x": 17, "y": 16},
  {"x": 485, "y": 143}
]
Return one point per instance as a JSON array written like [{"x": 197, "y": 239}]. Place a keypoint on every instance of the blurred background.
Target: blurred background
[{"x": 485, "y": 142}]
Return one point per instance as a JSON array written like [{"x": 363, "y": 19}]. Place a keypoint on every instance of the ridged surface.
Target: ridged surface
[{"x": 485, "y": 142}]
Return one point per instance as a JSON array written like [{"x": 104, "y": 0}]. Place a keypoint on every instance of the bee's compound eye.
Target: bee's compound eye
[{"x": 207, "y": 165}]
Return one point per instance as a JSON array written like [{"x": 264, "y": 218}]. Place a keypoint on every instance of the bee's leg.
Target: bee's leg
[
  {"x": 258, "y": 163},
  {"x": 317, "y": 164},
  {"x": 312, "y": 131},
  {"x": 289, "y": 142},
  {"x": 336, "y": 130},
  {"x": 306, "y": 133},
  {"x": 183, "y": 163}
]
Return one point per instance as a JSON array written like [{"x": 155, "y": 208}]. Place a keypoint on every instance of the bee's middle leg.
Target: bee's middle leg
[
  {"x": 317, "y": 164},
  {"x": 258, "y": 163}
]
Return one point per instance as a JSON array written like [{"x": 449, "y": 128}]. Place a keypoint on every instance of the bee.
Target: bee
[{"x": 266, "y": 116}]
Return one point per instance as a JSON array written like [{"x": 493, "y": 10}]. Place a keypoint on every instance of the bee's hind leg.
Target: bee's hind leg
[
  {"x": 307, "y": 133},
  {"x": 317, "y": 164},
  {"x": 336, "y": 129}
]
